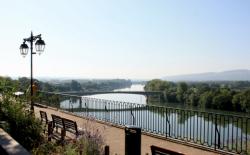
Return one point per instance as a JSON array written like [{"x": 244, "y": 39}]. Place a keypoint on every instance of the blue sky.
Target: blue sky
[{"x": 126, "y": 39}]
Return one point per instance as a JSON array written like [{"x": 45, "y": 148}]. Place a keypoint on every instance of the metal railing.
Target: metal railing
[{"x": 217, "y": 131}]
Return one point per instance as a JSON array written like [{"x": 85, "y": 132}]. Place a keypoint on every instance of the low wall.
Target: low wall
[{"x": 9, "y": 146}]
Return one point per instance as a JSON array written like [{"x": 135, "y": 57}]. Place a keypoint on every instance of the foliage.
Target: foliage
[
  {"x": 47, "y": 148},
  {"x": 76, "y": 86},
  {"x": 233, "y": 96},
  {"x": 23, "y": 84},
  {"x": 181, "y": 90},
  {"x": 89, "y": 143},
  {"x": 206, "y": 99},
  {"x": 21, "y": 124}
]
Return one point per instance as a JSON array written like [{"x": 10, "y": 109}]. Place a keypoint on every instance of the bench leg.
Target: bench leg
[
  {"x": 50, "y": 131},
  {"x": 63, "y": 134}
]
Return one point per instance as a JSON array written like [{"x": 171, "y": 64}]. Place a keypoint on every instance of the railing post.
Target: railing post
[
  {"x": 247, "y": 119},
  {"x": 80, "y": 103},
  {"x": 216, "y": 142},
  {"x": 132, "y": 115},
  {"x": 106, "y": 112},
  {"x": 166, "y": 121},
  {"x": 166, "y": 113},
  {"x": 86, "y": 107},
  {"x": 215, "y": 132}
]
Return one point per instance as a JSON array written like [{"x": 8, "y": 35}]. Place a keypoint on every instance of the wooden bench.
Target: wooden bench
[
  {"x": 71, "y": 126},
  {"x": 66, "y": 125},
  {"x": 57, "y": 122},
  {"x": 44, "y": 119},
  {"x": 162, "y": 151}
]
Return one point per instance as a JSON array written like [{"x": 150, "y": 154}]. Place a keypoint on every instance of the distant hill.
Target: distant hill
[{"x": 233, "y": 75}]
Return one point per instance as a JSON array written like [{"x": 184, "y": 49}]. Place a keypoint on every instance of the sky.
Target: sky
[{"x": 132, "y": 39}]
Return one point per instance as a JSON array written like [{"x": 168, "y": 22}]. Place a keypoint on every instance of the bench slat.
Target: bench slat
[
  {"x": 70, "y": 126},
  {"x": 163, "y": 151},
  {"x": 57, "y": 121},
  {"x": 44, "y": 117}
]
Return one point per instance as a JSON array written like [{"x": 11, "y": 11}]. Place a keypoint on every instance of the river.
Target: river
[{"x": 198, "y": 127}]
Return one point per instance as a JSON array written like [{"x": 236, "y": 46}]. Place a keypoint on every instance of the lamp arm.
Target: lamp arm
[{"x": 34, "y": 38}]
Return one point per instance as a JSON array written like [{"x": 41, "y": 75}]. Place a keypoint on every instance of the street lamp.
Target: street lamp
[{"x": 39, "y": 45}]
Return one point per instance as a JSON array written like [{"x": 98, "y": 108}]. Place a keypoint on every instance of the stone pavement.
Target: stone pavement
[{"x": 115, "y": 136}]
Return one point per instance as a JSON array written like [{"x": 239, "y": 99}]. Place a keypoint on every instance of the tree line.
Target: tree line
[
  {"x": 222, "y": 95},
  {"x": 23, "y": 84}
]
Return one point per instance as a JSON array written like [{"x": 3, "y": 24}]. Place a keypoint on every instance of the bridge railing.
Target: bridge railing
[{"x": 225, "y": 132}]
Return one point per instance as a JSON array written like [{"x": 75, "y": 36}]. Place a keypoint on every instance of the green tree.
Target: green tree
[
  {"x": 223, "y": 100},
  {"x": 181, "y": 90},
  {"x": 236, "y": 101},
  {"x": 241, "y": 101},
  {"x": 157, "y": 85},
  {"x": 206, "y": 99},
  {"x": 75, "y": 86},
  {"x": 192, "y": 97},
  {"x": 245, "y": 101},
  {"x": 202, "y": 87}
]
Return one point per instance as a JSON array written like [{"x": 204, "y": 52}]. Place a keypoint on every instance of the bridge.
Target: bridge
[
  {"x": 145, "y": 93},
  {"x": 105, "y": 109}
]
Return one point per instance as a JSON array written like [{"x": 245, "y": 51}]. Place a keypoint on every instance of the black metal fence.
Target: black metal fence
[{"x": 225, "y": 132}]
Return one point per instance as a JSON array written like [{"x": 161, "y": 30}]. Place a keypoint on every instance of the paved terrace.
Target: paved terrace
[{"x": 115, "y": 136}]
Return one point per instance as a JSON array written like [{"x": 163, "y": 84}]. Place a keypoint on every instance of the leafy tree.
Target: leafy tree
[
  {"x": 202, "y": 87},
  {"x": 181, "y": 90},
  {"x": 192, "y": 97},
  {"x": 241, "y": 101},
  {"x": 24, "y": 83},
  {"x": 164, "y": 86},
  {"x": 206, "y": 99},
  {"x": 75, "y": 86},
  {"x": 245, "y": 101},
  {"x": 223, "y": 100},
  {"x": 236, "y": 102},
  {"x": 170, "y": 95},
  {"x": 157, "y": 85}
]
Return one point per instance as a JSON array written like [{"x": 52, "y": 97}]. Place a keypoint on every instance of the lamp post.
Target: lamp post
[{"x": 39, "y": 45}]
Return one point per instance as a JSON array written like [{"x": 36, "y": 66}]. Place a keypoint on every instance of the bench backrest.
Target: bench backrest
[
  {"x": 57, "y": 121},
  {"x": 162, "y": 151},
  {"x": 70, "y": 126},
  {"x": 44, "y": 117}
]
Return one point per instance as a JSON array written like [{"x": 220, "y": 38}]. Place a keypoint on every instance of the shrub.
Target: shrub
[
  {"x": 21, "y": 124},
  {"x": 90, "y": 143}
]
